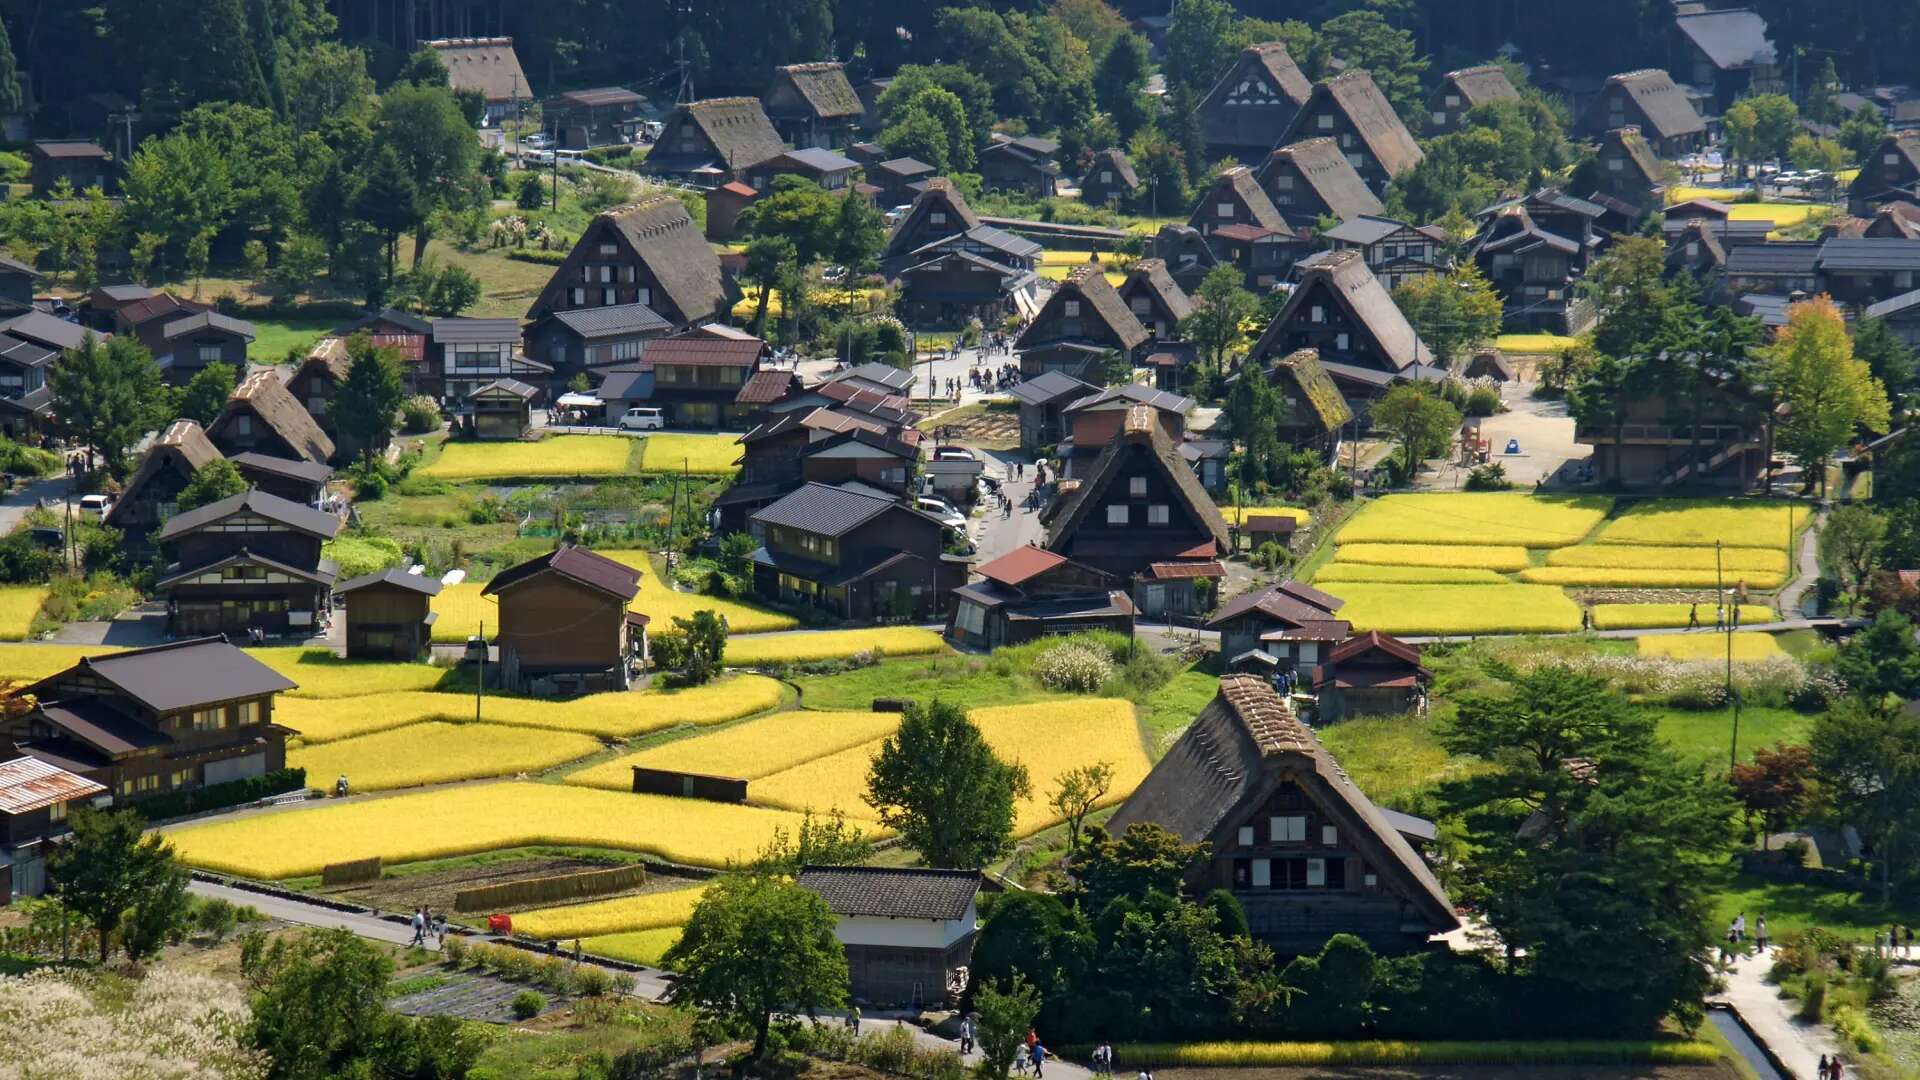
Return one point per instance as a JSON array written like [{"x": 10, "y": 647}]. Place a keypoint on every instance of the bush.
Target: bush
[
  {"x": 1073, "y": 667},
  {"x": 419, "y": 415},
  {"x": 535, "y": 255},
  {"x": 22, "y": 460},
  {"x": 555, "y": 973},
  {"x": 592, "y": 982},
  {"x": 1489, "y": 477},
  {"x": 532, "y": 193},
  {"x": 453, "y": 952},
  {"x": 221, "y": 796},
  {"x": 528, "y": 1004},
  {"x": 1483, "y": 401}
]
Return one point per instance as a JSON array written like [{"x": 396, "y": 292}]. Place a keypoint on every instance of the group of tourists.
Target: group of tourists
[
  {"x": 428, "y": 927},
  {"x": 989, "y": 378}
]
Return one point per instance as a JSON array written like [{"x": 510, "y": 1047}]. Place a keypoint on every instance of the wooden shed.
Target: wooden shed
[
  {"x": 503, "y": 409},
  {"x": 564, "y": 620},
  {"x": 389, "y": 614}
]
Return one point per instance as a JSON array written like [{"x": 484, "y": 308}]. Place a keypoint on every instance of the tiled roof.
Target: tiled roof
[
  {"x": 614, "y": 319},
  {"x": 944, "y": 895},
  {"x": 687, "y": 350},
  {"x": 293, "y": 515},
  {"x": 575, "y": 563},
  {"x": 392, "y": 575},
  {"x": 181, "y": 674},
  {"x": 825, "y": 510}
]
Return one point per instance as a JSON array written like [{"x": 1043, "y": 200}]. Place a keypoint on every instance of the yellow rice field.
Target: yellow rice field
[
  {"x": 1457, "y": 609},
  {"x": 18, "y": 605},
  {"x": 1049, "y": 739},
  {"x": 1405, "y": 575},
  {"x": 663, "y": 604},
  {"x": 1749, "y": 523},
  {"x": 1735, "y": 561},
  {"x": 556, "y": 456},
  {"x": 1710, "y": 646},
  {"x": 463, "y": 612},
  {"x": 709, "y": 455},
  {"x": 1238, "y": 515},
  {"x": 36, "y": 661},
  {"x": 616, "y": 715},
  {"x": 437, "y": 753},
  {"x": 647, "y": 911},
  {"x": 1534, "y": 344},
  {"x": 321, "y": 674},
  {"x": 749, "y": 750},
  {"x": 647, "y": 947},
  {"x": 1464, "y": 557},
  {"x": 1656, "y": 616},
  {"x": 478, "y": 817},
  {"x": 1600, "y": 577},
  {"x": 1477, "y": 518},
  {"x": 832, "y": 645}
]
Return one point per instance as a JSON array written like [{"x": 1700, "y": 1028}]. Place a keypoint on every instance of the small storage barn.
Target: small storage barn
[
  {"x": 502, "y": 409},
  {"x": 389, "y": 614}
]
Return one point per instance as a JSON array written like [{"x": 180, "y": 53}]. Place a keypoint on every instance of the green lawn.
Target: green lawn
[
  {"x": 274, "y": 338},
  {"x": 1789, "y": 907},
  {"x": 965, "y": 680},
  {"x": 1706, "y": 735}
]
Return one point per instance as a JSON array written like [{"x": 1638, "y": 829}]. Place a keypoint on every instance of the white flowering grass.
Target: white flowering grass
[{"x": 170, "y": 1025}]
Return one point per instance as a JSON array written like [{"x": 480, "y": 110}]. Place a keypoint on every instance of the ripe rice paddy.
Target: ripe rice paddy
[
  {"x": 1407, "y": 575},
  {"x": 647, "y": 947},
  {"x": 19, "y": 604},
  {"x": 1659, "y": 616},
  {"x": 1494, "y": 519},
  {"x": 1458, "y": 609},
  {"x": 436, "y": 753},
  {"x": 1464, "y": 557},
  {"x": 555, "y": 456},
  {"x": 832, "y": 645},
  {"x": 1710, "y": 646},
  {"x": 748, "y": 750},
  {"x": 662, "y": 604},
  {"x": 647, "y": 911},
  {"x": 708, "y": 455},
  {"x": 1751, "y": 523},
  {"x": 321, "y": 674},
  {"x": 481, "y": 817}
]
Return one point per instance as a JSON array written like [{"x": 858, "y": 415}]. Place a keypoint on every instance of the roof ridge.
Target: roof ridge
[
  {"x": 88, "y": 661},
  {"x": 1267, "y": 717}
]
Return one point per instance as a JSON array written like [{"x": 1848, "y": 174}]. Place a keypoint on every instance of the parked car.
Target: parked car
[
  {"x": 953, "y": 453},
  {"x": 935, "y": 507},
  {"x": 643, "y": 418},
  {"x": 539, "y": 140},
  {"x": 95, "y": 506}
]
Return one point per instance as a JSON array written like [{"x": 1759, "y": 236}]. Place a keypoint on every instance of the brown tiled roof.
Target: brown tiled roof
[
  {"x": 157, "y": 305},
  {"x": 764, "y": 388},
  {"x": 28, "y": 784},
  {"x": 575, "y": 563},
  {"x": 1020, "y": 564},
  {"x": 296, "y": 516},
  {"x": 101, "y": 726},
  {"x": 1274, "y": 603},
  {"x": 701, "y": 351},
  {"x": 895, "y": 893},
  {"x": 1320, "y": 165},
  {"x": 1245, "y": 743},
  {"x": 264, "y": 396},
  {"x": 179, "y": 674},
  {"x": 488, "y": 65},
  {"x": 69, "y": 148},
  {"x": 823, "y": 86},
  {"x": 1369, "y": 641},
  {"x": 396, "y": 576}
]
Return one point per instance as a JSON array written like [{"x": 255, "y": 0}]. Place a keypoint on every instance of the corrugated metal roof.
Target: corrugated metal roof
[{"x": 28, "y": 784}]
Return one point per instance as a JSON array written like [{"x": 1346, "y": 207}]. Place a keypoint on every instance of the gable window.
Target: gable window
[
  {"x": 628, "y": 270},
  {"x": 646, "y": 296},
  {"x": 1453, "y": 101},
  {"x": 1290, "y": 829},
  {"x": 243, "y": 424},
  {"x": 609, "y": 249},
  {"x": 579, "y": 297},
  {"x": 1157, "y": 514},
  {"x": 607, "y": 297},
  {"x": 606, "y": 275},
  {"x": 1893, "y": 159},
  {"x": 1117, "y": 514},
  {"x": 1329, "y": 836},
  {"x": 1316, "y": 873},
  {"x": 1141, "y": 306},
  {"x": 1283, "y": 182},
  {"x": 1340, "y": 342},
  {"x": 1439, "y": 119},
  {"x": 1614, "y": 164},
  {"x": 1070, "y": 308},
  {"x": 1136, "y": 486},
  {"x": 1318, "y": 313},
  {"x": 936, "y": 217},
  {"x": 210, "y": 354},
  {"x": 1263, "y": 873},
  {"x": 317, "y": 406},
  {"x": 1106, "y": 176},
  {"x": 1224, "y": 210},
  {"x": 1245, "y": 837},
  {"x": 1324, "y": 121}
]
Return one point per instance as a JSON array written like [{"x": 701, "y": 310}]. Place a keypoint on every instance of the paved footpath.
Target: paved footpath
[{"x": 1795, "y": 1042}]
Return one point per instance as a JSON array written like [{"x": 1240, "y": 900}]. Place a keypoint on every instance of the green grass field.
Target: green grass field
[
  {"x": 1791, "y": 906},
  {"x": 274, "y": 339}
]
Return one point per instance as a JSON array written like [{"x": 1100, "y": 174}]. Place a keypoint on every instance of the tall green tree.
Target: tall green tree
[
  {"x": 1365, "y": 40},
  {"x": 107, "y": 395},
  {"x": 1420, "y": 422},
  {"x": 1594, "y": 850},
  {"x": 1881, "y": 664},
  {"x": 937, "y": 783},
  {"x": 1221, "y": 308},
  {"x": 435, "y": 145},
  {"x": 859, "y": 234},
  {"x": 1866, "y": 752},
  {"x": 1889, "y": 359},
  {"x": 1454, "y": 313},
  {"x": 325, "y": 85},
  {"x": 387, "y": 200},
  {"x": 1006, "y": 1015},
  {"x": 755, "y": 947},
  {"x": 178, "y": 186},
  {"x": 10, "y": 97},
  {"x": 217, "y": 479},
  {"x": 206, "y": 393},
  {"x": 1200, "y": 44},
  {"x": 1830, "y": 394},
  {"x": 109, "y": 868},
  {"x": 768, "y": 258},
  {"x": 1850, "y": 546},
  {"x": 798, "y": 210},
  {"x": 369, "y": 399},
  {"x": 1120, "y": 82}
]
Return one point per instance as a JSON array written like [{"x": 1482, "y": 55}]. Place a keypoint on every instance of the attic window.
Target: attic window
[
  {"x": 1070, "y": 308},
  {"x": 1157, "y": 514},
  {"x": 1318, "y": 314},
  {"x": 1893, "y": 159},
  {"x": 1614, "y": 164},
  {"x": 1106, "y": 176},
  {"x": 1453, "y": 100},
  {"x": 936, "y": 217},
  {"x": 1329, "y": 836},
  {"x": 1283, "y": 183},
  {"x": 1117, "y": 514},
  {"x": 609, "y": 249},
  {"x": 1439, "y": 119},
  {"x": 1325, "y": 122},
  {"x": 1246, "y": 836},
  {"x": 1288, "y": 830},
  {"x": 1136, "y": 485}
]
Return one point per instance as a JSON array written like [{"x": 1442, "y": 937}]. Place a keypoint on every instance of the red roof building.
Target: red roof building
[{"x": 1374, "y": 674}]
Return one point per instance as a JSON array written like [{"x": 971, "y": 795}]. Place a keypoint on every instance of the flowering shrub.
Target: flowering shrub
[
  {"x": 1775, "y": 681},
  {"x": 72, "y": 1026},
  {"x": 1073, "y": 667}
]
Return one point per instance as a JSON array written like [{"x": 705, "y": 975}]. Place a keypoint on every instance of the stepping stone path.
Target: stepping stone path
[{"x": 470, "y": 997}]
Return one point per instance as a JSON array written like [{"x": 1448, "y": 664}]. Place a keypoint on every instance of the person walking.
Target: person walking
[
  {"x": 853, "y": 1019},
  {"x": 1760, "y": 933},
  {"x": 966, "y": 1035},
  {"x": 1039, "y": 1058},
  {"x": 1020, "y": 1058},
  {"x": 1822, "y": 1067},
  {"x": 1693, "y": 617},
  {"x": 419, "y": 925},
  {"x": 1740, "y": 927}
]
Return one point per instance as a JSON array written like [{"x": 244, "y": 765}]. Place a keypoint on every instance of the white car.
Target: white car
[
  {"x": 1788, "y": 179},
  {"x": 953, "y": 453},
  {"x": 942, "y": 510},
  {"x": 641, "y": 418},
  {"x": 95, "y": 506},
  {"x": 539, "y": 140}
]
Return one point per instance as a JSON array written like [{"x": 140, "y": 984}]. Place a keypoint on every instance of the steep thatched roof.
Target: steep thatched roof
[
  {"x": 1479, "y": 85},
  {"x": 183, "y": 443},
  {"x": 1312, "y": 389},
  {"x": 1255, "y": 98},
  {"x": 1318, "y": 166},
  {"x": 1346, "y": 278},
  {"x": 488, "y": 65},
  {"x": 263, "y": 396},
  {"x": 1141, "y": 429},
  {"x": 823, "y": 86},
  {"x": 1663, "y": 105},
  {"x": 1089, "y": 285},
  {"x": 1149, "y": 277},
  {"x": 1356, "y": 96}
]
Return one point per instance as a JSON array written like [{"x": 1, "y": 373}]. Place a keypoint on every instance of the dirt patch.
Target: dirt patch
[
  {"x": 993, "y": 429},
  {"x": 1718, "y": 1071},
  {"x": 436, "y": 888}
]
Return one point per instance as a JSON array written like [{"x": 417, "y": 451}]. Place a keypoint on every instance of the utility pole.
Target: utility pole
[
  {"x": 685, "y": 94},
  {"x": 480, "y": 683},
  {"x": 1726, "y": 621}
]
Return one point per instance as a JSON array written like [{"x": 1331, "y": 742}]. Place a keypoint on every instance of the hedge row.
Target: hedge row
[{"x": 221, "y": 796}]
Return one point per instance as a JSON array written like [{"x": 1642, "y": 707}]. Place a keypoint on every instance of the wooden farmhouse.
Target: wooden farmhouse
[
  {"x": 1350, "y": 109},
  {"x": 1043, "y": 402},
  {"x": 649, "y": 253},
  {"x": 1031, "y": 592},
  {"x": 35, "y": 799},
  {"x": 855, "y": 554},
  {"x": 1319, "y": 411},
  {"x": 1340, "y": 310},
  {"x": 1083, "y": 322},
  {"x": 152, "y": 492},
  {"x": 1142, "y": 516},
  {"x": 249, "y": 561},
  {"x": 502, "y": 409},
  {"x": 1291, "y": 626},
  {"x": 709, "y": 143},
  {"x": 565, "y": 626},
  {"x": 262, "y": 416},
  {"x": 489, "y": 66},
  {"x": 389, "y": 614},
  {"x": 1650, "y": 100},
  {"x": 1890, "y": 174},
  {"x": 1156, "y": 300},
  {"x": 1629, "y": 171},
  {"x": 26, "y": 403},
  {"x": 18, "y": 283},
  {"x": 465, "y": 354},
  {"x": 1311, "y": 179},
  {"x": 813, "y": 105},
  {"x": 1248, "y": 110},
  {"x": 157, "y": 721},
  {"x": 1302, "y": 849},
  {"x": 1460, "y": 92},
  {"x": 907, "y": 933},
  {"x": 1373, "y": 674},
  {"x": 292, "y": 479},
  {"x": 1110, "y": 180}
]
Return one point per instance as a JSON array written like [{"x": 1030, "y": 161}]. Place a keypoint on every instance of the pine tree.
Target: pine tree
[
  {"x": 10, "y": 96},
  {"x": 1118, "y": 83},
  {"x": 266, "y": 51}
]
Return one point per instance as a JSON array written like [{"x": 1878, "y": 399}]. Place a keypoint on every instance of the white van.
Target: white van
[
  {"x": 642, "y": 418},
  {"x": 95, "y": 506}
]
